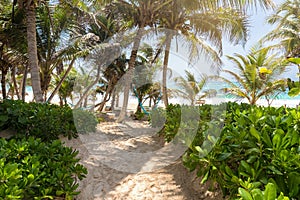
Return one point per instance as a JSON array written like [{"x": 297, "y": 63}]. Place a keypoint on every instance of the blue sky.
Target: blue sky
[{"x": 258, "y": 28}]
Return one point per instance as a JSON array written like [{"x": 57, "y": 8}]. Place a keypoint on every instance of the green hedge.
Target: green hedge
[
  {"x": 32, "y": 169},
  {"x": 45, "y": 121},
  {"x": 257, "y": 145}
]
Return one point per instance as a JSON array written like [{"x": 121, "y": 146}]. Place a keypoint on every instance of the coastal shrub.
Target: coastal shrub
[
  {"x": 244, "y": 144},
  {"x": 32, "y": 169},
  {"x": 182, "y": 121},
  {"x": 250, "y": 192},
  {"x": 45, "y": 121},
  {"x": 257, "y": 144}
]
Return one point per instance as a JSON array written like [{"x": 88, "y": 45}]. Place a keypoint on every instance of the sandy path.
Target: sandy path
[{"x": 128, "y": 161}]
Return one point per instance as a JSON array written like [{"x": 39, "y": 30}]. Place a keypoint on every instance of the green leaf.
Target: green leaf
[
  {"x": 276, "y": 171},
  {"x": 223, "y": 156},
  {"x": 282, "y": 197},
  {"x": 257, "y": 194},
  {"x": 294, "y": 60},
  {"x": 246, "y": 166},
  {"x": 294, "y": 92},
  {"x": 59, "y": 192},
  {"x": 266, "y": 138},
  {"x": 255, "y": 133},
  {"x": 205, "y": 178},
  {"x": 245, "y": 194},
  {"x": 30, "y": 177},
  {"x": 293, "y": 183},
  {"x": 270, "y": 192}
]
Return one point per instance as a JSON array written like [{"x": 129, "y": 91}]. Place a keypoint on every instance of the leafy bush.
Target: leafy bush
[
  {"x": 250, "y": 192},
  {"x": 257, "y": 144},
  {"x": 31, "y": 169},
  {"x": 45, "y": 121}
]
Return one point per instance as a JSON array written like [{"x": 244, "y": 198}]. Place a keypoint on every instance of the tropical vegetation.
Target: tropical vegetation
[
  {"x": 79, "y": 56},
  {"x": 244, "y": 148},
  {"x": 257, "y": 76}
]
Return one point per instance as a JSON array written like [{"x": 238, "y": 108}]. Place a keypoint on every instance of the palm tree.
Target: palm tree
[
  {"x": 257, "y": 76},
  {"x": 202, "y": 21},
  {"x": 141, "y": 14},
  {"x": 190, "y": 87},
  {"x": 287, "y": 30},
  {"x": 29, "y": 6},
  {"x": 294, "y": 87},
  {"x": 13, "y": 49},
  {"x": 112, "y": 75}
]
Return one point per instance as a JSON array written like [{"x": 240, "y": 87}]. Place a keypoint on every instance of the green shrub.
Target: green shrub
[
  {"x": 249, "y": 191},
  {"x": 32, "y": 169},
  {"x": 260, "y": 144},
  {"x": 256, "y": 143},
  {"x": 45, "y": 121}
]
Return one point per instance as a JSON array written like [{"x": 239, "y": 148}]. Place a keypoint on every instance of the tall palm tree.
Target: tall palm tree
[
  {"x": 202, "y": 21},
  {"x": 29, "y": 7},
  {"x": 140, "y": 14},
  {"x": 257, "y": 75},
  {"x": 287, "y": 31}
]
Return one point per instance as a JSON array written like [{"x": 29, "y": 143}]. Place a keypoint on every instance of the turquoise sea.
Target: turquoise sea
[{"x": 218, "y": 86}]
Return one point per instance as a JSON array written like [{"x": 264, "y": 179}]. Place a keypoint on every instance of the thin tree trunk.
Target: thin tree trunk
[
  {"x": 24, "y": 82},
  {"x": 32, "y": 53},
  {"x": 61, "y": 80},
  {"x": 85, "y": 93},
  {"x": 117, "y": 99},
  {"x": 129, "y": 74},
  {"x": 139, "y": 108},
  {"x": 3, "y": 83},
  {"x": 165, "y": 70},
  {"x": 13, "y": 76},
  {"x": 108, "y": 92},
  {"x": 113, "y": 100}
]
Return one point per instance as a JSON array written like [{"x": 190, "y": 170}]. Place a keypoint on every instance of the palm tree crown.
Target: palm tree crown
[{"x": 257, "y": 76}]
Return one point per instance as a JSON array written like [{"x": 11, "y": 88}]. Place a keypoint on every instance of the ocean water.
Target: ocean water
[
  {"x": 280, "y": 100},
  {"x": 218, "y": 86}
]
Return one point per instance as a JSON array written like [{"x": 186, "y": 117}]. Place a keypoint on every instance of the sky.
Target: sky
[{"x": 258, "y": 28}]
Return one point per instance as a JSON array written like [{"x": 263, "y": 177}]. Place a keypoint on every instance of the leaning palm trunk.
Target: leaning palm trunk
[
  {"x": 108, "y": 93},
  {"x": 87, "y": 90},
  {"x": 61, "y": 80},
  {"x": 32, "y": 54},
  {"x": 129, "y": 75},
  {"x": 165, "y": 70}
]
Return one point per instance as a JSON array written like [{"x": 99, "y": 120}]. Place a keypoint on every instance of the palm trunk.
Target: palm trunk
[
  {"x": 24, "y": 82},
  {"x": 13, "y": 76},
  {"x": 107, "y": 94},
  {"x": 61, "y": 80},
  {"x": 165, "y": 70},
  {"x": 129, "y": 74},
  {"x": 113, "y": 100},
  {"x": 86, "y": 92},
  {"x": 117, "y": 99},
  {"x": 3, "y": 83},
  {"x": 32, "y": 54}
]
